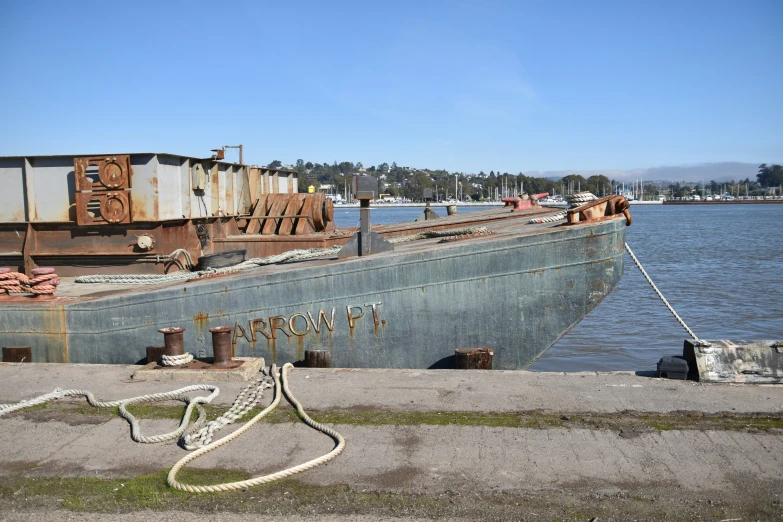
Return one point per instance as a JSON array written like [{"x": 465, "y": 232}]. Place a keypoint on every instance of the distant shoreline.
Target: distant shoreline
[
  {"x": 732, "y": 202},
  {"x": 385, "y": 205}
]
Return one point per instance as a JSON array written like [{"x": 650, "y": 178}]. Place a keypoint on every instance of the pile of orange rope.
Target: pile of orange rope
[{"x": 43, "y": 282}]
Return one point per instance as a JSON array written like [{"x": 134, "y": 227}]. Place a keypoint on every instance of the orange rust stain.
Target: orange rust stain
[
  {"x": 272, "y": 350},
  {"x": 54, "y": 329},
  {"x": 200, "y": 321}
]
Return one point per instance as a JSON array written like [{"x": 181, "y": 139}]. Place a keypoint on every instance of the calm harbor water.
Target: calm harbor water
[{"x": 720, "y": 267}]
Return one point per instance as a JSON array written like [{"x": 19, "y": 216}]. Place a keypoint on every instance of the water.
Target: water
[
  {"x": 349, "y": 217},
  {"x": 719, "y": 266}
]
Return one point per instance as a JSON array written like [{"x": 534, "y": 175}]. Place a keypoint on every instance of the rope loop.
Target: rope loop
[
  {"x": 176, "y": 360},
  {"x": 198, "y": 437},
  {"x": 243, "y": 484}
]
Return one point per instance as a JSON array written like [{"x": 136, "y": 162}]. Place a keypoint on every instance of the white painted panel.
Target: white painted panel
[
  {"x": 168, "y": 187},
  {"x": 12, "y": 197},
  {"x": 51, "y": 188},
  {"x": 144, "y": 191}
]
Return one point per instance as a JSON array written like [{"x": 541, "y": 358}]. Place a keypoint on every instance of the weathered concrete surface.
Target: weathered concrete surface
[
  {"x": 426, "y": 390},
  {"x": 244, "y": 373},
  {"x": 742, "y": 468}
]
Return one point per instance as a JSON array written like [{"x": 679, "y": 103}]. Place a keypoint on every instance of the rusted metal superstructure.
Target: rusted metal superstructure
[{"x": 126, "y": 213}]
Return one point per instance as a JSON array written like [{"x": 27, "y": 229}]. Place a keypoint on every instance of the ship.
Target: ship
[{"x": 124, "y": 245}]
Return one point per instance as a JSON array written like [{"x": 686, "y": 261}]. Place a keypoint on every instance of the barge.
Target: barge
[{"x": 485, "y": 279}]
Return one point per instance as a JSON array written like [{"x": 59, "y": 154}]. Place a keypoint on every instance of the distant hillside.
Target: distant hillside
[{"x": 724, "y": 171}]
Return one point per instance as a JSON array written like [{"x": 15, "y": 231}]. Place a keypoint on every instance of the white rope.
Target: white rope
[
  {"x": 243, "y": 484},
  {"x": 574, "y": 201},
  {"x": 291, "y": 255},
  {"x": 644, "y": 273},
  {"x": 201, "y": 441},
  {"x": 176, "y": 360},
  {"x": 429, "y": 234},
  {"x": 247, "y": 399},
  {"x": 136, "y": 435}
]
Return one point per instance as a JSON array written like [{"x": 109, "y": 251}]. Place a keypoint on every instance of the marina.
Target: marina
[{"x": 391, "y": 262}]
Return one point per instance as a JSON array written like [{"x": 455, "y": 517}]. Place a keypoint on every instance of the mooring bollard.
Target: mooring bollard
[
  {"x": 173, "y": 338},
  {"x": 154, "y": 353},
  {"x": 221, "y": 344},
  {"x": 17, "y": 354},
  {"x": 474, "y": 358},
  {"x": 317, "y": 359}
]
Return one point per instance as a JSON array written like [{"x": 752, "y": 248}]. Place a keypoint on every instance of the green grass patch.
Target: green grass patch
[{"x": 293, "y": 498}]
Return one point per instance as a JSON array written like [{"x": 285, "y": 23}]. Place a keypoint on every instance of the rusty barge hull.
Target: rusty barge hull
[{"x": 516, "y": 291}]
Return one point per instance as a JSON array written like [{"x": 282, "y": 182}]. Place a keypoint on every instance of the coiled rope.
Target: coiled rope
[
  {"x": 176, "y": 360},
  {"x": 247, "y": 399},
  {"x": 291, "y": 255},
  {"x": 43, "y": 282},
  {"x": 671, "y": 309},
  {"x": 574, "y": 200},
  {"x": 243, "y": 484},
  {"x": 201, "y": 441}
]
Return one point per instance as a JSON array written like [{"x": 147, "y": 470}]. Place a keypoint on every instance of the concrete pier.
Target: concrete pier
[{"x": 420, "y": 443}]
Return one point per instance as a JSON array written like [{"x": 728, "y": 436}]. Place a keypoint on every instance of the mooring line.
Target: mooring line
[{"x": 671, "y": 309}]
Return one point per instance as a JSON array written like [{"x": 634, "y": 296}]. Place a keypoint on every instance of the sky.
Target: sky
[{"x": 464, "y": 86}]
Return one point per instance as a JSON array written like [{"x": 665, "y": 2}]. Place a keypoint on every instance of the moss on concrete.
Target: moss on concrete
[
  {"x": 293, "y": 498},
  {"x": 626, "y": 420}
]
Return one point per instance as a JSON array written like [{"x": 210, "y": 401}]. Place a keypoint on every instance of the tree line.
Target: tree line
[{"x": 409, "y": 183}]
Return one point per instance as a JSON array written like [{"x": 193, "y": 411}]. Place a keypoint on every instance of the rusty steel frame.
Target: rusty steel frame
[{"x": 84, "y": 214}]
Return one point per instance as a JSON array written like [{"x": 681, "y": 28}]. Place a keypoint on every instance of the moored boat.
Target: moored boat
[{"x": 484, "y": 279}]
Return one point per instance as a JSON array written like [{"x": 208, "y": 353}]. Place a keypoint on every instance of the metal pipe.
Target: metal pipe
[
  {"x": 173, "y": 338},
  {"x": 364, "y": 218},
  {"x": 221, "y": 344}
]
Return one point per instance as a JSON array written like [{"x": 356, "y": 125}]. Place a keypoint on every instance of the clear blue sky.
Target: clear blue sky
[{"x": 468, "y": 86}]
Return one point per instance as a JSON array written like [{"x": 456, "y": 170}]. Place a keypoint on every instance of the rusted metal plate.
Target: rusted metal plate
[
  {"x": 292, "y": 208},
  {"x": 278, "y": 204},
  {"x": 260, "y": 210},
  {"x": 113, "y": 172},
  {"x": 599, "y": 210},
  {"x": 17, "y": 354},
  {"x": 756, "y": 362},
  {"x": 474, "y": 358}
]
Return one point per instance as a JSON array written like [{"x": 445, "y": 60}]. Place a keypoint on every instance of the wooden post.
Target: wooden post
[{"x": 317, "y": 359}]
